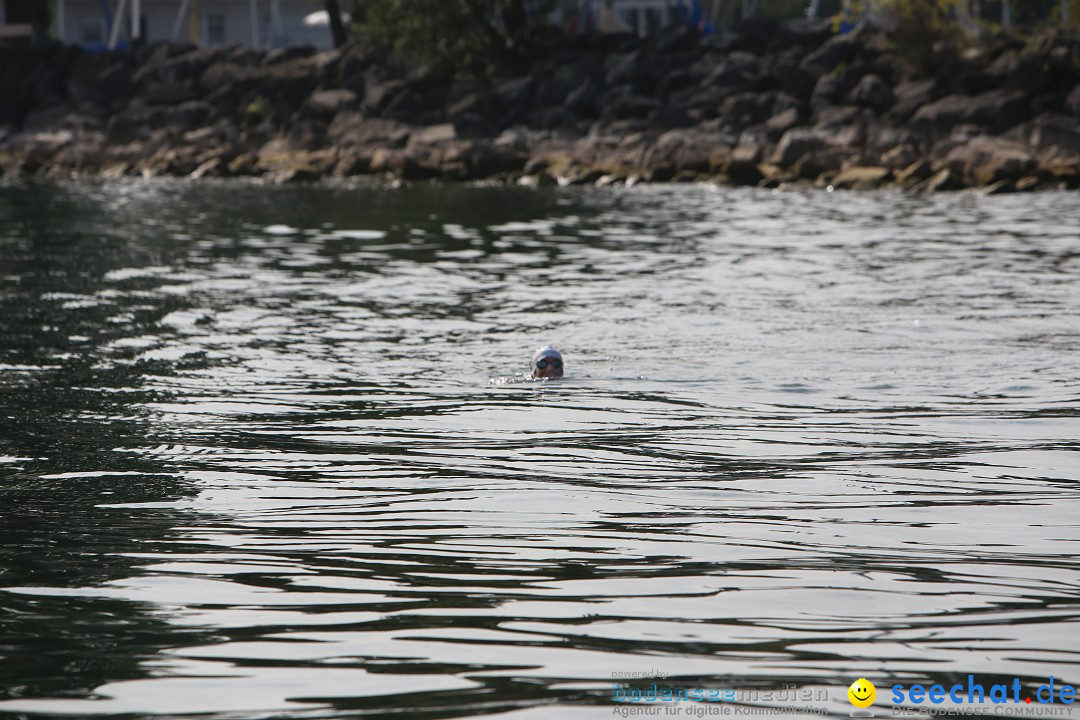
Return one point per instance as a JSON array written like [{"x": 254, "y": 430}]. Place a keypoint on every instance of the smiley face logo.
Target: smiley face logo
[{"x": 862, "y": 693}]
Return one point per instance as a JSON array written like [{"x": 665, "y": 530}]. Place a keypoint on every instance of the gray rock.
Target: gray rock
[
  {"x": 781, "y": 122},
  {"x": 739, "y": 69},
  {"x": 479, "y": 103},
  {"x": 686, "y": 150},
  {"x": 380, "y": 94},
  {"x": 912, "y": 95},
  {"x": 1055, "y": 131},
  {"x": 222, "y": 75},
  {"x": 986, "y": 159},
  {"x": 485, "y": 159},
  {"x": 352, "y": 128},
  {"x": 582, "y": 99},
  {"x": 277, "y": 56},
  {"x": 802, "y": 81},
  {"x": 625, "y": 68},
  {"x": 872, "y": 92},
  {"x": 837, "y": 50},
  {"x": 432, "y": 135},
  {"x": 471, "y": 125},
  {"x": 798, "y": 142},
  {"x": 327, "y": 103},
  {"x": 862, "y": 178},
  {"x": 942, "y": 181},
  {"x": 1072, "y": 102},
  {"x": 830, "y": 90},
  {"x": 997, "y": 110},
  {"x": 515, "y": 94},
  {"x": 634, "y": 106},
  {"x": 827, "y": 161}
]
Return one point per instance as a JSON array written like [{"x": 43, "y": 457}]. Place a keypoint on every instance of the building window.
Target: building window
[
  {"x": 215, "y": 29},
  {"x": 90, "y": 30}
]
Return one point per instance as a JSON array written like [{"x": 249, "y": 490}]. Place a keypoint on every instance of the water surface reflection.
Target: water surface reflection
[{"x": 254, "y": 464}]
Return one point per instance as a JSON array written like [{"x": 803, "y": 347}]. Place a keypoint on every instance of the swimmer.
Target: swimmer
[{"x": 547, "y": 363}]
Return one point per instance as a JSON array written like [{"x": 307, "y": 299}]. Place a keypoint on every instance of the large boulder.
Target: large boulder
[
  {"x": 829, "y": 90},
  {"x": 739, "y": 69},
  {"x": 327, "y": 103},
  {"x": 1029, "y": 71},
  {"x": 748, "y": 108},
  {"x": 986, "y": 159},
  {"x": 862, "y": 177},
  {"x": 911, "y": 95},
  {"x": 1057, "y": 132},
  {"x": 824, "y": 162},
  {"x": 686, "y": 150},
  {"x": 996, "y": 111},
  {"x": 892, "y": 147},
  {"x": 836, "y": 51},
  {"x": 781, "y": 122},
  {"x": 844, "y": 124},
  {"x": 799, "y": 142},
  {"x": 872, "y": 92},
  {"x": 353, "y": 129}
]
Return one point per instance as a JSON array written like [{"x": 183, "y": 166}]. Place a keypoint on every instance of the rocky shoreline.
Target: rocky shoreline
[{"x": 771, "y": 105}]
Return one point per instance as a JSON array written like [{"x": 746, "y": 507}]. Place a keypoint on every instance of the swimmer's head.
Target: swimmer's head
[{"x": 547, "y": 363}]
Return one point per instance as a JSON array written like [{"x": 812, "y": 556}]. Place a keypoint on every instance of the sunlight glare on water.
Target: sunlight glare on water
[{"x": 255, "y": 466}]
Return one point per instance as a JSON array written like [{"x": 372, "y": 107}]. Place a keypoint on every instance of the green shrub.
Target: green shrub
[
  {"x": 471, "y": 33},
  {"x": 925, "y": 34}
]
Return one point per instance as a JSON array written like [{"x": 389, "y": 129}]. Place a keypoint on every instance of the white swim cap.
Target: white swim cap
[{"x": 548, "y": 351}]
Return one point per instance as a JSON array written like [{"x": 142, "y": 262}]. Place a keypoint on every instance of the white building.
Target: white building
[{"x": 277, "y": 23}]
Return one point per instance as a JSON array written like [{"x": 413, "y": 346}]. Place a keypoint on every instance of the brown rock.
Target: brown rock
[
  {"x": 432, "y": 135},
  {"x": 826, "y": 162},
  {"x": 872, "y": 92},
  {"x": 862, "y": 178},
  {"x": 944, "y": 180},
  {"x": 1056, "y": 131},
  {"x": 1067, "y": 174},
  {"x": 773, "y": 175},
  {"x": 1001, "y": 187},
  {"x": 914, "y": 173},
  {"x": 352, "y": 163},
  {"x": 911, "y": 95},
  {"x": 798, "y": 142},
  {"x": 741, "y": 172},
  {"x": 214, "y": 167},
  {"x": 901, "y": 156},
  {"x": 297, "y": 173},
  {"x": 690, "y": 150},
  {"x": 780, "y": 123},
  {"x": 996, "y": 110},
  {"x": 242, "y": 165},
  {"x": 326, "y": 103},
  {"x": 986, "y": 159},
  {"x": 352, "y": 128},
  {"x": 1072, "y": 102},
  {"x": 1028, "y": 183}
]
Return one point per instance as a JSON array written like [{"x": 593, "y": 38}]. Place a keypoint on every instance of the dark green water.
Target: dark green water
[{"x": 253, "y": 463}]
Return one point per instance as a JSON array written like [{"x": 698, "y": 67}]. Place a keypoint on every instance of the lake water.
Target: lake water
[{"x": 253, "y": 464}]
